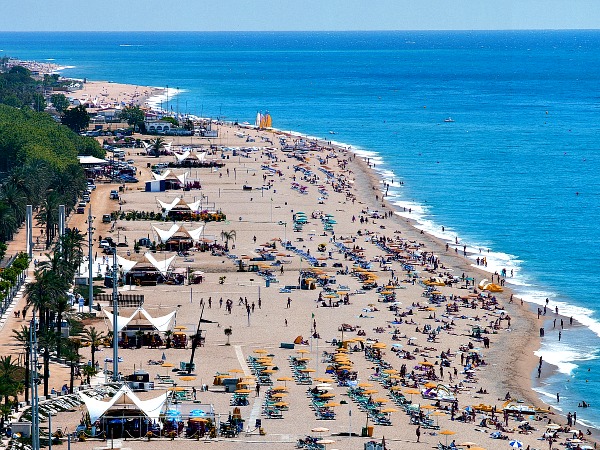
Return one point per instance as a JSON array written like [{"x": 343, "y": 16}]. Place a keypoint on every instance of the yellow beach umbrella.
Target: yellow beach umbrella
[
  {"x": 279, "y": 395},
  {"x": 285, "y": 379},
  {"x": 167, "y": 365},
  {"x": 279, "y": 388},
  {"x": 389, "y": 410},
  {"x": 327, "y": 395},
  {"x": 242, "y": 391},
  {"x": 364, "y": 385},
  {"x": 281, "y": 404},
  {"x": 331, "y": 405},
  {"x": 260, "y": 350},
  {"x": 302, "y": 351}
]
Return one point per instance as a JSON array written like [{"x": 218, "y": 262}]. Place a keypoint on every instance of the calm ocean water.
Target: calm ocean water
[{"x": 516, "y": 173}]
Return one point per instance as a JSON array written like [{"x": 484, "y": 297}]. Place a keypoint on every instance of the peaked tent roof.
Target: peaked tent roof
[
  {"x": 182, "y": 156},
  {"x": 201, "y": 156},
  {"x": 125, "y": 264},
  {"x": 160, "y": 323},
  {"x": 97, "y": 408},
  {"x": 165, "y": 235},
  {"x": 161, "y": 176},
  {"x": 169, "y": 206},
  {"x": 162, "y": 266}
]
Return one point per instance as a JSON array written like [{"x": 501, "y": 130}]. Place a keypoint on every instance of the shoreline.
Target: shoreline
[{"x": 517, "y": 377}]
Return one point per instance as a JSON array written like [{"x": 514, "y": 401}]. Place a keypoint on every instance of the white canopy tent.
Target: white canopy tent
[
  {"x": 162, "y": 266},
  {"x": 182, "y": 156},
  {"x": 165, "y": 235},
  {"x": 168, "y": 206},
  {"x": 124, "y": 398},
  {"x": 161, "y": 323},
  {"x": 161, "y": 176},
  {"x": 126, "y": 264},
  {"x": 201, "y": 156},
  {"x": 182, "y": 178},
  {"x": 91, "y": 160}
]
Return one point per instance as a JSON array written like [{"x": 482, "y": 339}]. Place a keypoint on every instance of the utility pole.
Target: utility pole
[
  {"x": 35, "y": 418},
  {"x": 91, "y": 261},
  {"x": 115, "y": 298}
]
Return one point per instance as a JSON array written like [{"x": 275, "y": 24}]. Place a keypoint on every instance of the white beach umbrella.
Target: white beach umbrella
[{"x": 515, "y": 444}]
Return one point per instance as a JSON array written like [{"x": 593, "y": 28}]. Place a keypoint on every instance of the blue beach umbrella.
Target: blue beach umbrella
[{"x": 516, "y": 444}]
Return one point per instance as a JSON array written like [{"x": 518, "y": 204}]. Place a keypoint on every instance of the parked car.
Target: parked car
[
  {"x": 106, "y": 218},
  {"x": 114, "y": 195}
]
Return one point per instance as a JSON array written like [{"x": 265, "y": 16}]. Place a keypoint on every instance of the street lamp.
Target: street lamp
[{"x": 281, "y": 222}]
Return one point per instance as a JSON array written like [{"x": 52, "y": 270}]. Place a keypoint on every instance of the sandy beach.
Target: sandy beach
[{"x": 425, "y": 319}]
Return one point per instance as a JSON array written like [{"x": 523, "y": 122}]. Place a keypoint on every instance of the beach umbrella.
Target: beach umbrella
[
  {"x": 437, "y": 414},
  {"x": 320, "y": 430},
  {"x": 236, "y": 371},
  {"x": 267, "y": 371},
  {"x": 180, "y": 327},
  {"x": 307, "y": 370},
  {"x": 390, "y": 371},
  {"x": 260, "y": 350},
  {"x": 279, "y": 388},
  {"x": 364, "y": 385},
  {"x": 327, "y": 395},
  {"x": 325, "y": 441},
  {"x": 302, "y": 350},
  {"x": 370, "y": 391},
  {"x": 303, "y": 359},
  {"x": 187, "y": 378},
  {"x": 324, "y": 380},
  {"x": 430, "y": 407},
  {"x": 430, "y": 384},
  {"x": 279, "y": 395},
  {"x": 515, "y": 444},
  {"x": 281, "y": 404},
  {"x": 242, "y": 391},
  {"x": 447, "y": 433},
  {"x": 426, "y": 363},
  {"x": 380, "y": 400},
  {"x": 389, "y": 410},
  {"x": 331, "y": 404}
]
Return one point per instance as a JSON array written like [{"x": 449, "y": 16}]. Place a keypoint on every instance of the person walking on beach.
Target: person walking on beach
[
  {"x": 557, "y": 397},
  {"x": 418, "y": 433}
]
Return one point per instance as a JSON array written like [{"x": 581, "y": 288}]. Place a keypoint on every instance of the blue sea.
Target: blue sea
[{"x": 514, "y": 176}]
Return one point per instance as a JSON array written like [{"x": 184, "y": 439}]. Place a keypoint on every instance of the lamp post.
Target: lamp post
[
  {"x": 91, "y": 261},
  {"x": 281, "y": 222},
  {"x": 115, "y": 298}
]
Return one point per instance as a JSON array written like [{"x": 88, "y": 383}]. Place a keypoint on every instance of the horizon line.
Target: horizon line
[{"x": 304, "y": 31}]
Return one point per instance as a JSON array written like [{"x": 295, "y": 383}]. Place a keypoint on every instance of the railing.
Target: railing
[{"x": 125, "y": 300}]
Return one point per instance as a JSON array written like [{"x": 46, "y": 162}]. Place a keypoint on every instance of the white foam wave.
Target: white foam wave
[
  {"x": 160, "y": 99},
  {"x": 565, "y": 357},
  {"x": 548, "y": 397}
]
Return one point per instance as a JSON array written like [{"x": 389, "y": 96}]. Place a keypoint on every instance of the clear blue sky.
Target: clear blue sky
[{"x": 278, "y": 15}]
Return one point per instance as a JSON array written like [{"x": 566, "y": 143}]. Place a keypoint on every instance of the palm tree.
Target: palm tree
[
  {"x": 22, "y": 337},
  {"x": 89, "y": 372},
  {"x": 12, "y": 379},
  {"x": 15, "y": 199},
  {"x": 228, "y": 236},
  {"x": 71, "y": 354},
  {"x": 95, "y": 338},
  {"x": 228, "y": 332},
  {"x": 8, "y": 222},
  {"x": 155, "y": 146},
  {"x": 47, "y": 342}
]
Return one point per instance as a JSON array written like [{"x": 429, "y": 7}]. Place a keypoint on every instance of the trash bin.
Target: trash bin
[
  {"x": 370, "y": 431},
  {"x": 364, "y": 432},
  {"x": 268, "y": 282}
]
